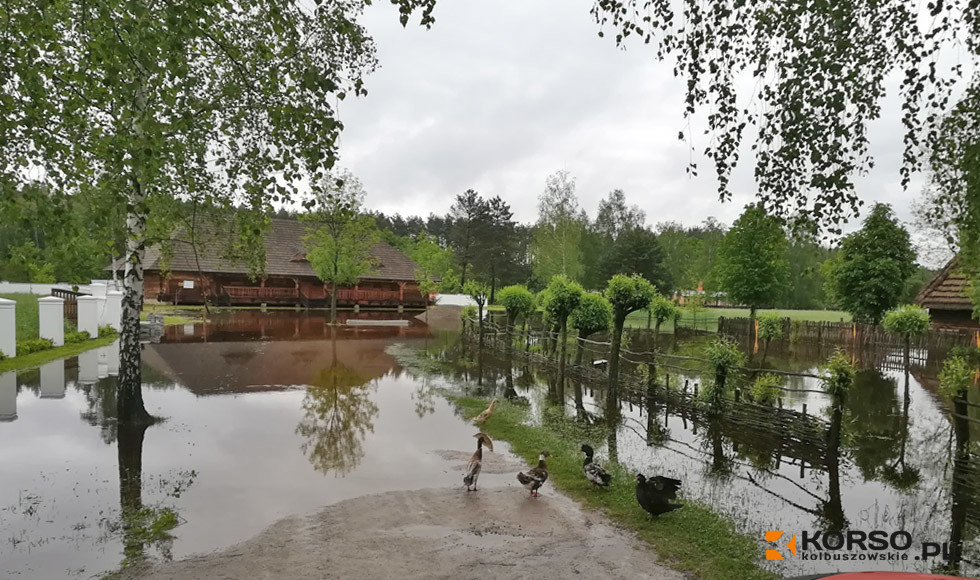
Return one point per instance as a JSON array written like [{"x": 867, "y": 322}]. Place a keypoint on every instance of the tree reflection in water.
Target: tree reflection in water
[
  {"x": 899, "y": 474},
  {"x": 338, "y": 414},
  {"x": 141, "y": 525}
]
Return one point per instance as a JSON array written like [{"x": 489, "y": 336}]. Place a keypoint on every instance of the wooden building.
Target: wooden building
[
  {"x": 947, "y": 300},
  {"x": 186, "y": 278}
]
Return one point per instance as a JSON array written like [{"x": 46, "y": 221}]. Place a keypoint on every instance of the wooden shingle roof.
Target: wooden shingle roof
[
  {"x": 947, "y": 291},
  {"x": 285, "y": 256}
]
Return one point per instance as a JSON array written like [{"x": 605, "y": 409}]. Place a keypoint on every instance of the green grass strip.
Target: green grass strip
[
  {"x": 37, "y": 359},
  {"x": 693, "y": 539}
]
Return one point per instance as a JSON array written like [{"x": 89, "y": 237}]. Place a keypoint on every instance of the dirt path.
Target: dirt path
[{"x": 497, "y": 532}]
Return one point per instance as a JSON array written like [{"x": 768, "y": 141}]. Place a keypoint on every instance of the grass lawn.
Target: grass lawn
[
  {"x": 172, "y": 318},
  {"x": 693, "y": 539},
  {"x": 26, "y": 311},
  {"x": 708, "y": 318}
]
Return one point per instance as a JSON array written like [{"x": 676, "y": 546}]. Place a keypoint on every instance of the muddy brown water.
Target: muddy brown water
[
  {"x": 271, "y": 415},
  {"x": 267, "y": 416}
]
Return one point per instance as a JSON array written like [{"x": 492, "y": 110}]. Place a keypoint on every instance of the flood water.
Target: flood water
[
  {"x": 267, "y": 416},
  {"x": 278, "y": 414},
  {"x": 897, "y": 466}
]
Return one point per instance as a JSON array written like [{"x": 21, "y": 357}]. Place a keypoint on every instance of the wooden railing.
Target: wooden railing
[
  {"x": 259, "y": 292},
  {"x": 350, "y": 294},
  {"x": 71, "y": 302}
]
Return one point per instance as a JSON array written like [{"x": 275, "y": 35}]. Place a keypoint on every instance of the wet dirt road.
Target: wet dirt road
[{"x": 497, "y": 532}]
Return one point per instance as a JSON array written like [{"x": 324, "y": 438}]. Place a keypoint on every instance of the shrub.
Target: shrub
[
  {"x": 468, "y": 312},
  {"x": 106, "y": 330},
  {"x": 75, "y": 336},
  {"x": 770, "y": 326},
  {"x": 724, "y": 352},
  {"x": 840, "y": 374},
  {"x": 33, "y": 345},
  {"x": 956, "y": 376},
  {"x": 767, "y": 388},
  {"x": 796, "y": 327}
]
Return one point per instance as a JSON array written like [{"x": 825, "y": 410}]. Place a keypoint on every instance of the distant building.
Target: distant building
[
  {"x": 289, "y": 280},
  {"x": 946, "y": 298},
  {"x": 711, "y": 299}
]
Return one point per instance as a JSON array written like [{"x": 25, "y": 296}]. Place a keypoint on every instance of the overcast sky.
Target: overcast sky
[{"x": 497, "y": 96}]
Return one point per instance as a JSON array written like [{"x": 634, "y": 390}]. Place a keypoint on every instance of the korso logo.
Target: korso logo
[
  {"x": 857, "y": 545},
  {"x": 775, "y": 536}
]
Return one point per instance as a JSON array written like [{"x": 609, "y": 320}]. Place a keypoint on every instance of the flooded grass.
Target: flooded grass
[
  {"x": 39, "y": 358},
  {"x": 693, "y": 539}
]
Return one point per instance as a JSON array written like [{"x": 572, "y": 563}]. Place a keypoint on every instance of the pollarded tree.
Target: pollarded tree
[
  {"x": 770, "y": 328},
  {"x": 518, "y": 301},
  {"x": 627, "y": 294},
  {"x": 593, "y": 314},
  {"x": 752, "y": 268},
  {"x": 661, "y": 309},
  {"x": 562, "y": 298},
  {"x": 867, "y": 276},
  {"x": 339, "y": 240},
  {"x": 479, "y": 293},
  {"x": 230, "y": 100},
  {"x": 908, "y": 321}
]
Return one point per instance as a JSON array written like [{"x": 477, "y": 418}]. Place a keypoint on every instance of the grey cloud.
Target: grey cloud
[{"x": 496, "y": 96}]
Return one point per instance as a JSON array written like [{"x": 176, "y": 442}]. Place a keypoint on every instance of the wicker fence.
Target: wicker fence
[{"x": 852, "y": 333}]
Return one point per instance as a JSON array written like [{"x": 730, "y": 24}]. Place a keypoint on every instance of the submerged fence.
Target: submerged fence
[
  {"x": 852, "y": 333},
  {"x": 677, "y": 382}
]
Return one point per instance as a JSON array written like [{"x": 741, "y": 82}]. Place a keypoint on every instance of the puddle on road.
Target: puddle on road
[{"x": 262, "y": 423}]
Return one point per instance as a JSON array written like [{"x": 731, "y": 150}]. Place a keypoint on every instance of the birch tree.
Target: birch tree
[
  {"x": 558, "y": 233},
  {"x": 232, "y": 100}
]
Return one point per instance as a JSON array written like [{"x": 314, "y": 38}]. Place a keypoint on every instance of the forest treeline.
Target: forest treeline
[{"x": 47, "y": 236}]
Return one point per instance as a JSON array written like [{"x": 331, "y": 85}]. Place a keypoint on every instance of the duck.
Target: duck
[
  {"x": 535, "y": 477},
  {"x": 482, "y": 417},
  {"x": 476, "y": 462},
  {"x": 593, "y": 471},
  {"x": 654, "y": 494}
]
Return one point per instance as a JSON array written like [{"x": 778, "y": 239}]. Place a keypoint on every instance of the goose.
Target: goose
[
  {"x": 535, "y": 477},
  {"x": 476, "y": 462},
  {"x": 654, "y": 494},
  {"x": 593, "y": 471}
]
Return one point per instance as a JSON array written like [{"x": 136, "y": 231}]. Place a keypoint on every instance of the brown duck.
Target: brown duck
[{"x": 476, "y": 462}]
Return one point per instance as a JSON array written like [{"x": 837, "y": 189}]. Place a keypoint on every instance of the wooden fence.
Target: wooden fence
[
  {"x": 71, "y": 302},
  {"x": 853, "y": 333}
]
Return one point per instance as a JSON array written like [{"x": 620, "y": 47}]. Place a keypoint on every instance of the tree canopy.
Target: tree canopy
[
  {"x": 867, "y": 276},
  {"x": 518, "y": 301},
  {"x": 339, "y": 238},
  {"x": 558, "y": 232},
  {"x": 752, "y": 268},
  {"x": 593, "y": 314}
]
